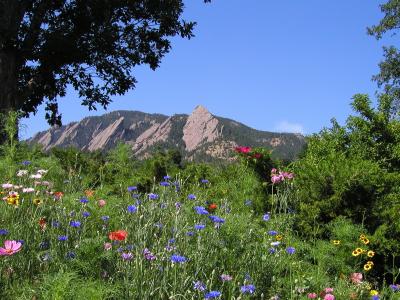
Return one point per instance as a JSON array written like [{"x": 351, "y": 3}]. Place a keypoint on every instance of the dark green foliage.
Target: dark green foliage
[
  {"x": 92, "y": 46},
  {"x": 353, "y": 171}
]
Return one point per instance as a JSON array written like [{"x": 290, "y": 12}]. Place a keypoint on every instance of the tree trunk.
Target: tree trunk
[{"x": 8, "y": 88}]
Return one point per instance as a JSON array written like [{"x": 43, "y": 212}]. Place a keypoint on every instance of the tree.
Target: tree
[
  {"x": 389, "y": 75},
  {"x": 92, "y": 45}
]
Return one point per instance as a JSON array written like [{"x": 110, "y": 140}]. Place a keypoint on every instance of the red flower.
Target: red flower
[
  {"x": 212, "y": 207},
  {"x": 42, "y": 223},
  {"x": 119, "y": 235},
  {"x": 243, "y": 149}
]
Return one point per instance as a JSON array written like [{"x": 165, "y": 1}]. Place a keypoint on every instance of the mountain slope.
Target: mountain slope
[{"x": 199, "y": 136}]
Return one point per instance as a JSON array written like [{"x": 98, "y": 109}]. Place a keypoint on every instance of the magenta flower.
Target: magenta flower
[
  {"x": 10, "y": 248},
  {"x": 356, "y": 278},
  {"x": 275, "y": 179},
  {"x": 312, "y": 296},
  {"x": 328, "y": 290},
  {"x": 329, "y": 297}
]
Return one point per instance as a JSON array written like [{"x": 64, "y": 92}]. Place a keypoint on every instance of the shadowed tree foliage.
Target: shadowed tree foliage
[
  {"x": 91, "y": 45},
  {"x": 389, "y": 75}
]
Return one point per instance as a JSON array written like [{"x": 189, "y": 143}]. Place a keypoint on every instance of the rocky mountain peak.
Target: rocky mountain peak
[{"x": 201, "y": 127}]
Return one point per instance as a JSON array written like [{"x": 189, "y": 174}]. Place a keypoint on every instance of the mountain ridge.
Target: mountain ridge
[{"x": 199, "y": 136}]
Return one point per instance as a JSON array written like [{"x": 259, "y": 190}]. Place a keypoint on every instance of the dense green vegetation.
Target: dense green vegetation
[{"x": 109, "y": 226}]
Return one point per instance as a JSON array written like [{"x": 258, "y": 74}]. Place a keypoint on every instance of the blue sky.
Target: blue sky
[{"x": 272, "y": 65}]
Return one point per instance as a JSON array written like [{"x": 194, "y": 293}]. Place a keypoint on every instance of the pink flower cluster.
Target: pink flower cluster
[
  {"x": 247, "y": 151},
  {"x": 279, "y": 176},
  {"x": 326, "y": 294}
]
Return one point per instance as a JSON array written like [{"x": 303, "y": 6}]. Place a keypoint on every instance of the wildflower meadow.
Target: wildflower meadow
[{"x": 77, "y": 225}]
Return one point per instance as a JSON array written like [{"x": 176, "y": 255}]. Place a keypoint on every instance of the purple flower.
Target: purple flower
[
  {"x": 153, "y": 196},
  {"x": 248, "y": 289},
  {"x": 272, "y": 232},
  {"x": 171, "y": 241},
  {"x": 132, "y": 209},
  {"x": 225, "y": 277},
  {"x": 86, "y": 214},
  {"x": 26, "y": 163},
  {"x": 166, "y": 177},
  {"x": 75, "y": 224},
  {"x": 165, "y": 183},
  {"x": 105, "y": 218},
  {"x": 70, "y": 255},
  {"x": 191, "y": 197},
  {"x": 127, "y": 256},
  {"x": 199, "y": 226},
  {"x": 190, "y": 233},
  {"x": 201, "y": 210},
  {"x": 63, "y": 237},
  {"x": 148, "y": 255},
  {"x": 55, "y": 224},
  {"x": 3, "y": 231},
  {"x": 178, "y": 205},
  {"x": 132, "y": 188},
  {"x": 395, "y": 287},
  {"x": 204, "y": 181},
  {"x": 290, "y": 250},
  {"x": 266, "y": 217},
  {"x": 212, "y": 295},
  {"x": 217, "y": 219},
  {"x": 272, "y": 250},
  {"x": 178, "y": 259},
  {"x": 83, "y": 200},
  {"x": 199, "y": 286}
]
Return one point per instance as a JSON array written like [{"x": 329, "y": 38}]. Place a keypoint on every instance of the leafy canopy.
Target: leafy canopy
[{"x": 47, "y": 45}]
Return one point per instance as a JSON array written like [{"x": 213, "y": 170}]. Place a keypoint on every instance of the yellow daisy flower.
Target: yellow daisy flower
[
  {"x": 279, "y": 237},
  {"x": 362, "y": 236},
  {"x": 373, "y": 292},
  {"x": 37, "y": 201},
  {"x": 365, "y": 241},
  {"x": 370, "y": 253},
  {"x": 370, "y": 262},
  {"x": 336, "y": 242},
  {"x": 355, "y": 253},
  {"x": 367, "y": 267}
]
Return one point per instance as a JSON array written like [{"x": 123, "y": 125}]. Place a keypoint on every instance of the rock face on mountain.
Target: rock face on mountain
[{"x": 199, "y": 136}]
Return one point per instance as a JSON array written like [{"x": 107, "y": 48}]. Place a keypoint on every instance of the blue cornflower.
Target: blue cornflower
[
  {"x": 129, "y": 247},
  {"x": 75, "y": 224},
  {"x": 190, "y": 233},
  {"x": 120, "y": 249},
  {"x": 153, "y": 196},
  {"x": 178, "y": 205},
  {"x": 21, "y": 241},
  {"x": 199, "y": 286},
  {"x": 55, "y": 224},
  {"x": 212, "y": 295},
  {"x": 395, "y": 287},
  {"x": 199, "y": 226},
  {"x": 135, "y": 196},
  {"x": 178, "y": 259},
  {"x": 266, "y": 217},
  {"x": 204, "y": 181},
  {"x": 217, "y": 219},
  {"x": 272, "y": 250},
  {"x": 166, "y": 177},
  {"x": 26, "y": 162},
  {"x": 70, "y": 255},
  {"x": 83, "y": 200},
  {"x": 63, "y": 237},
  {"x": 132, "y": 188},
  {"x": 3, "y": 231},
  {"x": 163, "y": 205},
  {"x": 171, "y": 241},
  {"x": 375, "y": 297},
  {"x": 86, "y": 214},
  {"x": 248, "y": 202},
  {"x": 191, "y": 197},
  {"x": 105, "y": 218},
  {"x": 165, "y": 183},
  {"x": 248, "y": 289},
  {"x": 44, "y": 245},
  {"x": 132, "y": 209},
  {"x": 272, "y": 232},
  {"x": 201, "y": 210},
  {"x": 290, "y": 250}
]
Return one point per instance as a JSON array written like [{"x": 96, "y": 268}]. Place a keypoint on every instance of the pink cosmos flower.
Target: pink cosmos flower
[
  {"x": 328, "y": 290},
  {"x": 101, "y": 202},
  {"x": 10, "y": 248},
  {"x": 329, "y": 297},
  {"x": 275, "y": 179},
  {"x": 356, "y": 278},
  {"x": 312, "y": 296},
  {"x": 107, "y": 246},
  {"x": 28, "y": 190},
  {"x": 7, "y": 186}
]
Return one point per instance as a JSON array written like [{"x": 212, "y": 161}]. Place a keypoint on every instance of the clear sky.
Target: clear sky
[{"x": 272, "y": 65}]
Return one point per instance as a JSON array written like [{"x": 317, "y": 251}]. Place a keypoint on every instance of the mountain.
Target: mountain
[{"x": 199, "y": 136}]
